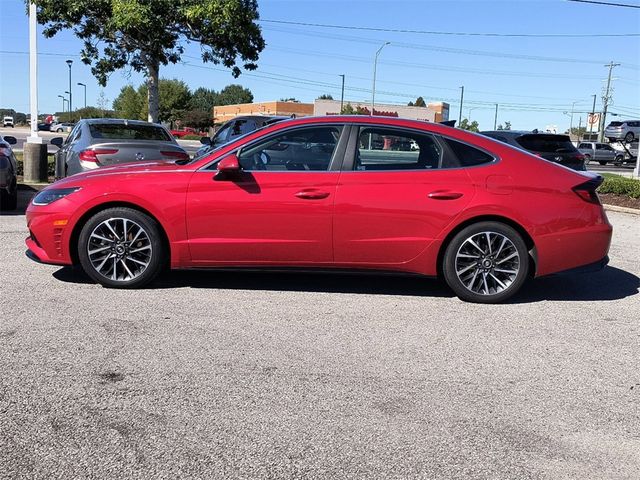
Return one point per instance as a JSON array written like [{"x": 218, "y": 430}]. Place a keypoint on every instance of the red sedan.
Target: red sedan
[{"x": 367, "y": 193}]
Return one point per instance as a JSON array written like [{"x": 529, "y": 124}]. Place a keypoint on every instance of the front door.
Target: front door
[{"x": 278, "y": 210}]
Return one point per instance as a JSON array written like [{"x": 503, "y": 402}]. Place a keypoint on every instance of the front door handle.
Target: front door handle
[
  {"x": 312, "y": 194},
  {"x": 444, "y": 195}
]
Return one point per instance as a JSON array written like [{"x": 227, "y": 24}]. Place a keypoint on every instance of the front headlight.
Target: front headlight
[{"x": 48, "y": 196}]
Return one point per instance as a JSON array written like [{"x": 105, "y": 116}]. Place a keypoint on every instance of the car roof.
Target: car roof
[{"x": 117, "y": 121}]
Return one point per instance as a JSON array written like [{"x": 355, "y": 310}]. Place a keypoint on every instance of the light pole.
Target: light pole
[
  {"x": 495, "y": 118},
  {"x": 69, "y": 62},
  {"x": 85, "y": 93},
  {"x": 571, "y": 115},
  {"x": 63, "y": 100},
  {"x": 342, "y": 94},
  {"x": 461, "y": 98},
  {"x": 68, "y": 106},
  {"x": 375, "y": 64},
  {"x": 471, "y": 110}
]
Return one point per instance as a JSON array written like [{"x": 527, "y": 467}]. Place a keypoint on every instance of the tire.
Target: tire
[
  {"x": 59, "y": 130},
  {"x": 602, "y": 162},
  {"x": 477, "y": 282},
  {"x": 136, "y": 261},
  {"x": 629, "y": 137},
  {"x": 8, "y": 201},
  {"x": 618, "y": 160}
]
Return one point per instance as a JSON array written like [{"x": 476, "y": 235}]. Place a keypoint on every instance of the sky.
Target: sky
[{"x": 535, "y": 80}]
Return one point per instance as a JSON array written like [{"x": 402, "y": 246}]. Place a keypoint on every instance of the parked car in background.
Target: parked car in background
[
  {"x": 235, "y": 128},
  {"x": 7, "y": 122},
  {"x": 314, "y": 193},
  {"x": 602, "y": 153},
  {"x": 101, "y": 142},
  {"x": 8, "y": 174},
  {"x": 61, "y": 127},
  {"x": 550, "y": 146},
  {"x": 44, "y": 127},
  {"x": 185, "y": 131},
  {"x": 626, "y": 130}
]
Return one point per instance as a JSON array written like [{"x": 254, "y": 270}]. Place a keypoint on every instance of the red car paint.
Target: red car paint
[{"x": 391, "y": 220}]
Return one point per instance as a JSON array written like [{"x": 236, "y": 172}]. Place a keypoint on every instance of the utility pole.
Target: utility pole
[
  {"x": 375, "y": 63},
  {"x": 461, "y": 98},
  {"x": 593, "y": 113},
  {"x": 342, "y": 94},
  {"x": 495, "y": 119},
  {"x": 85, "y": 93},
  {"x": 606, "y": 99}
]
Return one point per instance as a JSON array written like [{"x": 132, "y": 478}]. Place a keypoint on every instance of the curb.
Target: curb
[{"x": 616, "y": 208}]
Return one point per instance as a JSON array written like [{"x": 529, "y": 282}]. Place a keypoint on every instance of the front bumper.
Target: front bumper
[{"x": 49, "y": 236}]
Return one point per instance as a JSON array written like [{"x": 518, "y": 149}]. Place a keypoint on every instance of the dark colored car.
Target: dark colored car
[
  {"x": 235, "y": 128},
  {"x": 550, "y": 146},
  {"x": 8, "y": 174},
  {"x": 315, "y": 193}
]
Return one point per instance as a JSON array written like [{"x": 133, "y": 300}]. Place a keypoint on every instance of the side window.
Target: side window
[
  {"x": 238, "y": 128},
  {"x": 302, "y": 149},
  {"x": 74, "y": 135},
  {"x": 381, "y": 148},
  {"x": 464, "y": 155},
  {"x": 599, "y": 146},
  {"x": 584, "y": 145},
  {"x": 222, "y": 134}
]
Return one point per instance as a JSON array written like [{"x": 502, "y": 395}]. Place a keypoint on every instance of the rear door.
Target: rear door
[{"x": 399, "y": 189}]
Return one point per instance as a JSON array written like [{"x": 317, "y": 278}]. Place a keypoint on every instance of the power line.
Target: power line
[
  {"x": 462, "y": 34},
  {"x": 606, "y": 3}
]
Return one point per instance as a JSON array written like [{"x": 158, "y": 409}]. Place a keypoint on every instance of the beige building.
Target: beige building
[
  {"x": 433, "y": 112},
  {"x": 227, "y": 112}
]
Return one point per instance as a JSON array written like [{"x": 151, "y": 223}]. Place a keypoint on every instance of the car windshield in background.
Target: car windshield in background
[
  {"x": 546, "y": 143},
  {"x": 114, "y": 131}
]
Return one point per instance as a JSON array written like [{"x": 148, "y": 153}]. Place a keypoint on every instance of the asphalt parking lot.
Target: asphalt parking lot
[{"x": 247, "y": 375}]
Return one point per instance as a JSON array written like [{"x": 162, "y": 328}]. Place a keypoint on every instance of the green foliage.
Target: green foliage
[
  {"x": 620, "y": 186},
  {"x": 419, "y": 102},
  {"x": 348, "y": 110},
  {"x": 232, "y": 94},
  {"x": 175, "y": 97},
  {"x": 200, "y": 119},
  {"x": 410, "y": 104},
  {"x": 290, "y": 99},
  {"x": 471, "y": 126},
  {"x": 145, "y": 34},
  {"x": 92, "y": 112},
  {"x": 129, "y": 104},
  {"x": 204, "y": 99},
  {"x": 325, "y": 96},
  {"x": 507, "y": 125}
]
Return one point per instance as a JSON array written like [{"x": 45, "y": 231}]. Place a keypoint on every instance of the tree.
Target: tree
[
  {"x": 129, "y": 103},
  {"x": 291, "y": 99},
  {"x": 500, "y": 127},
  {"x": 410, "y": 104},
  {"x": 93, "y": 112},
  {"x": 146, "y": 34},
  {"x": 204, "y": 100},
  {"x": 507, "y": 125},
  {"x": 420, "y": 102},
  {"x": 232, "y": 94},
  {"x": 199, "y": 119},
  {"x": 472, "y": 127},
  {"x": 348, "y": 110},
  {"x": 325, "y": 96}
]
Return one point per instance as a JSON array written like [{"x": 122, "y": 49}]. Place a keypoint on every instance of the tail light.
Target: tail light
[
  {"x": 587, "y": 190},
  {"x": 175, "y": 154},
  {"x": 580, "y": 157},
  {"x": 91, "y": 155}
]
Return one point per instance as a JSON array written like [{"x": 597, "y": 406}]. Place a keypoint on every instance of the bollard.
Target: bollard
[{"x": 35, "y": 163}]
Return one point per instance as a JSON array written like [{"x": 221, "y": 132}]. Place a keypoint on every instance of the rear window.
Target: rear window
[
  {"x": 615, "y": 124},
  {"x": 546, "y": 143},
  {"x": 128, "y": 132}
]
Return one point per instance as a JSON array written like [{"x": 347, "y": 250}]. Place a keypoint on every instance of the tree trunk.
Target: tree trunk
[{"x": 153, "y": 69}]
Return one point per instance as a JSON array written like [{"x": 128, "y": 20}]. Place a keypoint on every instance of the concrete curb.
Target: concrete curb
[{"x": 616, "y": 208}]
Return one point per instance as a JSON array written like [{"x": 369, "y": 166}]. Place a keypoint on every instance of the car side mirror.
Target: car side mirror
[
  {"x": 10, "y": 140},
  {"x": 228, "y": 167},
  {"x": 57, "y": 141},
  {"x": 205, "y": 140}
]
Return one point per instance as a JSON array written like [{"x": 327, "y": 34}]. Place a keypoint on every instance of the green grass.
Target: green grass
[
  {"x": 620, "y": 185},
  {"x": 191, "y": 137}
]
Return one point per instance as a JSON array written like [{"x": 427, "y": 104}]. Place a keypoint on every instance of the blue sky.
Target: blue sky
[{"x": 304, "y": 61}]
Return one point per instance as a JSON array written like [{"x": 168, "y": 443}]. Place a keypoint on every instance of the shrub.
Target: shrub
[{"x": 620, "y": 186}]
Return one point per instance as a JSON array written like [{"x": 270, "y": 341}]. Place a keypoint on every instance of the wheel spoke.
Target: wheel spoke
[
  {"x": 498, "y": 281},
  {"x": 514, "y": 254},
  {"x": 488, "y": 241},
  {"x": 476, "y": 245},
  {"x": 460, "y": 272},
  {"x": 124, "y": 264},
  {"x": 108, "y": 225},
  {"x": 101, "y": 249},
  {"x": 146, "y": 247}
]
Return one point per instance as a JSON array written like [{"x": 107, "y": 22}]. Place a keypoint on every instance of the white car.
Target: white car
[
  {"x": 7, "y": 121},
  {"x": 61, "y": 127},
  {"x": 627, "y": 130}
]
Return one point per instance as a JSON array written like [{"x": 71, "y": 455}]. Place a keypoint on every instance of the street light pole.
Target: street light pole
[
  {"x": 375, "y": 63},
  {"x": 342, "y": 94},
  {"x": 69, "y": 62},
  {"x": 85, "y": 93},
  {"x": 495, "y": 118},
  {"x": 461, "y": 98},
  {"x": 63, "y": 100}
]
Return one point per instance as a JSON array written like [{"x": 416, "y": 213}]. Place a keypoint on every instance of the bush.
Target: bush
[
  {"x": 620, "y": 186},
  {"x": 192, "y": 137}
]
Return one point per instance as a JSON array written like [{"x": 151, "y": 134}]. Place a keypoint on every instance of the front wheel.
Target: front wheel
[
  {"x": 121, "y": 247},
  {"x": 486, "y": 262}
]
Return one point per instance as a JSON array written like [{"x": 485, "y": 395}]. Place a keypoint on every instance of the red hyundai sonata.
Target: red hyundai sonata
[{"x": 365, "y": 193}]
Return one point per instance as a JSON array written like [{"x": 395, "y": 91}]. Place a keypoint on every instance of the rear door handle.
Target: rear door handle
[
  {"x": 444, "y": 195},
  {"x": 312, "y": 194}
]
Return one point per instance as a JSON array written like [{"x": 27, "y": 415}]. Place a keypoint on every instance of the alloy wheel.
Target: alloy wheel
[
  {"x": 487, "y": 263},
  {"x": 119, "y": 249}
]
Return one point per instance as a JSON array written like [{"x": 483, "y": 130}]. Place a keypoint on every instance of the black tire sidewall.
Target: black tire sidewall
[
  {"x": 148, "y": 224},
  {"x": 448, "y": 264}
]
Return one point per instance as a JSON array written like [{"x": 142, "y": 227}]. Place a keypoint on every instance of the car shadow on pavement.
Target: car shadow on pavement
[{"x": 609, "y": 284}]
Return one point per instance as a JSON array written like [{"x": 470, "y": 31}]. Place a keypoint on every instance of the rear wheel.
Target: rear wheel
[
  {"x": 486, "y": 262},
  {"x": 629, "y": 137},
  {"x": 121, "y": 247}
]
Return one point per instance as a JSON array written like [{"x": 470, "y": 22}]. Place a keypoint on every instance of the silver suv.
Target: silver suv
[
  {"x": 602, "y": 153},
  {"x": 627, "y": 130}
]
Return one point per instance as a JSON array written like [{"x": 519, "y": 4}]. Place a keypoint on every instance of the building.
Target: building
[
  {"x": 288, "y": 109},
  {"x": 433, "y": 112}
]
